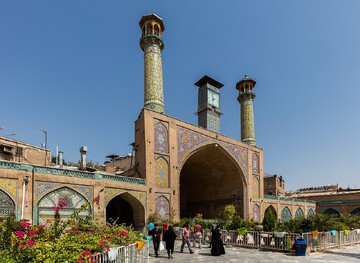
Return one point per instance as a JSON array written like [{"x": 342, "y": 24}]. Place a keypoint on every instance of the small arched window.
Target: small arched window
[
  {"x": 157, "y": 30},
  {"x": 148, "y": 29}
]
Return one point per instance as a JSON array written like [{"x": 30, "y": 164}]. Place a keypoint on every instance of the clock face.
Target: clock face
[{"x": 213, "y": 98}]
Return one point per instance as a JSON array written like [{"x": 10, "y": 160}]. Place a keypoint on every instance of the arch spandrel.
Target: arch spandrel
[
  {"x": 111, "y": 193},
  {"x": 44, "y": 188},
  {"x": 190, "y": 142},
  {"x": 9, "y": 186}
]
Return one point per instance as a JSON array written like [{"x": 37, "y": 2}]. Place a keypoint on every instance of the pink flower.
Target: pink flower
[
  {"x": 62, "y": 202},
  {"x": 79, "y": 260},
  {"x": 32, "y": 232},
  {"x": 25, "y": 224},
  {"x": 55, "y": 209},
  {"x": 102, "y": 243},
  {"x": 21, "y": 245},
  {"x": 123, "y": 233},
  {"x": 114, "y": 232},
  {"x": 41, "y": 226},
  {"x": 30, "y": 243},
  {"x": 85, "y": 252},
  {"x": 20, "y": 234},
  {"x": 90, "y": 231}
]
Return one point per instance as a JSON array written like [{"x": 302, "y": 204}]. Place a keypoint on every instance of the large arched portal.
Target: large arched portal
[
  {"x": 126, "y": 209},
  {"x": 210, "y": 179}
]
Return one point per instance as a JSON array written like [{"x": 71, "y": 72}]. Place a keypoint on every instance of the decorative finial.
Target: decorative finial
[{"x": 246, "y": 76}]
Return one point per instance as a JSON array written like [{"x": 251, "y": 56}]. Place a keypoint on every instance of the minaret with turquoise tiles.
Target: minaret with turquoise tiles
[
  {"x": 246, "y": 97},
  {"x": 152, "y": 44}
]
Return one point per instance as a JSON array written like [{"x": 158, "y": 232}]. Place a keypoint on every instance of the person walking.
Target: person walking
[
  {"x": 156, "y": 234},
  {"x": 198, "y": 234},
  {"x": 186, "y": 239},
  {"x": 169, "y": 238}
]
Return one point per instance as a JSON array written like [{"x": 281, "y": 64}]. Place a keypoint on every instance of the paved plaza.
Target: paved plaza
[{"x": 245, "y": 255}]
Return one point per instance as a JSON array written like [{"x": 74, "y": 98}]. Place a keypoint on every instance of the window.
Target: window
[{"x": 19, "y": 151}]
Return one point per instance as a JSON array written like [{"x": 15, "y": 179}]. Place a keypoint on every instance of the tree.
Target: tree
[
  {"x": 227, "y": 215},
  {"x": 269, "y": 222}
]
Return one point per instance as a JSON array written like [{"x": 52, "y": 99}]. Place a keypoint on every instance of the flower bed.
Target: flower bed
[{"x": 72, "y": 240}]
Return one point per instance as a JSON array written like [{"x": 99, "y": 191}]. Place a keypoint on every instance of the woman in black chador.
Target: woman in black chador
[
  {"x": 169, "y": 238},
  {"x": 217, "y": 247}
]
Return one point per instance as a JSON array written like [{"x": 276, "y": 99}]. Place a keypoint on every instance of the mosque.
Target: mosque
[{"x": 170, "y": 155}]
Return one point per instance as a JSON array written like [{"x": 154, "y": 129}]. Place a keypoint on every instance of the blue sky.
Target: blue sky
[{"x": 75, "y": 69}]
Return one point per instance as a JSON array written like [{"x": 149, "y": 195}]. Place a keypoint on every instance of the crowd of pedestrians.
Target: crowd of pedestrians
[{"x": 167, "y": 234}]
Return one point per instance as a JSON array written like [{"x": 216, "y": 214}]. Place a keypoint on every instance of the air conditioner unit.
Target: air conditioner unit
[{"x": 7, "y": 149}]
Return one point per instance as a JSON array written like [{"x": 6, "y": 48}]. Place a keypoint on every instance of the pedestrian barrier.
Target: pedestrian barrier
[
  {"x": 124, "y": 254},
  {"x": 331, "y": 239},
  {"x": 257, "y": 239}
]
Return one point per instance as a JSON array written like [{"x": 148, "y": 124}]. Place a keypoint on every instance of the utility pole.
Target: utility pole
[{"x": 45, "y": 134}]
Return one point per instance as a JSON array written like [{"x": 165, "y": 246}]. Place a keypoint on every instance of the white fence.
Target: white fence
[
  {"x": 125, "y": 254},
  {"x": 331, "y": 239},
  {"x": 255, "y": 239}
]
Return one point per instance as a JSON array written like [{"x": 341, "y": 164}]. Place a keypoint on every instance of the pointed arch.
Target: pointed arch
[
  {"x": 126, "y": 208},
  {"x": 331, "y": 212},
  {"x": 286, "y": 214},
  {"x": 162, "y": 207},
  {"x": 272, "y": 209},
  {"x": 310, "y": 213},
  {"x": 203, "y": 176},
  {"x": 7, "y": 205},
  {"x": 356, "y": 211},
  {"x": 74, "y": 199},
  {"x": 161, "y": 172},
  {"x": 299, "y": 213}
]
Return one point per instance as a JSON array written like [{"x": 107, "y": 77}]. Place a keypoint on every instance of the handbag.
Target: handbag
[{"x": 161, "y": 247}]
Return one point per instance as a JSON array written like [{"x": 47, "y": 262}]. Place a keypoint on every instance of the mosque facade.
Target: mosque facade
[{"x": 179, "y": 169}]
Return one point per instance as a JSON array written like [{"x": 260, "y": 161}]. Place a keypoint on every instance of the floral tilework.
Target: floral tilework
[
  {"x": 153, "y": 97},
  {"x": 255, "y": 212},
  {"x": 161, "y": 138},
  {"x": 189, "y": 140},
  {"x": 10, "y": 186},
  {"x": 51, "y": 199},
  {"x": 162, "y": 172},
  {"x": 255, "y": 163},
  {"x": 247, "y": 122},
  {"x": 256, "y": 186},
  {"x": 43, "y": 188},
  {"x": 162, "y": 207}
]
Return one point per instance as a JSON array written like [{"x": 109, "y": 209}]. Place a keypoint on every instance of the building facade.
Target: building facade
[{"x": 179, "y": 168}]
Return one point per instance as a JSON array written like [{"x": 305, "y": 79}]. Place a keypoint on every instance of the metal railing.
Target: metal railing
[
  {"x": 281, "y": 241},
  {"x": 124, "y": 254},
  {"x": 331, "y": 239}
]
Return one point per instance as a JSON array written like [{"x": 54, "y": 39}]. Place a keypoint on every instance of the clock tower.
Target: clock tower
[{"x": 209, "y": 104}]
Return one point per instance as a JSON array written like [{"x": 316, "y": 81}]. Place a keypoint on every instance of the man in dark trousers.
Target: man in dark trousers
[{"x": 156, "y": 234}]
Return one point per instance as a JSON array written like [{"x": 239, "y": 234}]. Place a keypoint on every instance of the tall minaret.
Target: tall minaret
[
  {"x": 246, "y": 97},
  {"x": 151, "y": 43}
]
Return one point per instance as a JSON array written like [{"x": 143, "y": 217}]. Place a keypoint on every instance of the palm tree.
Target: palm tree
[
  {"x": 321, "y": 222},
  {"x": 349, "y": 221}
]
